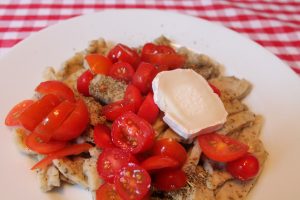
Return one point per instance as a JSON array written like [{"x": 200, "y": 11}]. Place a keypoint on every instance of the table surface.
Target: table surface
[{"x": 275, "y": 24}]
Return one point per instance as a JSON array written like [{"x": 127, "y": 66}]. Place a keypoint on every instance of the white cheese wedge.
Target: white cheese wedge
[{"x": 190, "y": 105}]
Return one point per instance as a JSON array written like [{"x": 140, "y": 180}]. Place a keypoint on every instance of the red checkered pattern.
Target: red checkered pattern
[{"x": 275, "y": 24}]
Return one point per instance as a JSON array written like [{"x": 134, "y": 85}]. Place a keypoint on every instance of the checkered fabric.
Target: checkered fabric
[{"x": 275, "y": 24}]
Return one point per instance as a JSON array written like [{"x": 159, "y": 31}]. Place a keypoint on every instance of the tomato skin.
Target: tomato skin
[
  {"x": 110, "y": 161},
  {"x": 215, "y": 89},
  {"x": 74, "y": 124},
  {"x": 132, "y": 133},
  {"x": 123, "y": 53},
  {"x": 12, "y": 118},
  {"x": 99, "y": 64},
  {"x": 34, "y": 142},
  {"x": 221, "y": 148},
  {"x": 122, "y": 71},
  {"x": 159, "y": 162},
  {"x": 102, "y": 136},
  {"x": 133, "y": 94},
  {"x": 244, "y": 168},
  {"x": 83, "y": 82},
  {"x": 168, "y": 180},
  {"x": 139, "y": 182},
  {"x": 113, "y": 110},
  {"x": 143, "y": 77},
  {"x": 37, "y": 111},
  {"x": 58, "y": 88},
  {"x": 107, "y": 192},
  {"x": 149, "y": 110},
  {"x": 171, "y": 148}
]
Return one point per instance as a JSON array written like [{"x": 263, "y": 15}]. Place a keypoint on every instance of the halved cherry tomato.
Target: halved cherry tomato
[
  {"x": 167, "y": 180},
  {"x": 159, "y": 162},
  {"x": 107, "y": 192},
  {"x": 122, "y": 71},
  {"x": 150, "y": 48},
  {"x": 83, "y": 82},
  {"x": 102, "y": 136},
  {"x": 99, "y": 64},
  {"x": 143, "y": 77},
  {"x": 244, "y": 168},
  {"x": 110, "y": 161},
  {"x": 58, "y": 88},
  {"x": 123, "y": 53},
  {"x": 114, "y": 110},
  {"x": 132, "y": 133},
  {"x": 132, "y": 182},
  {"x": 34, "y": 142},
  {"x": 53, "y": 120},
  {"x": 74, "y": 149},
  {"x": 37, "y": 111},
  {"x": 132, "y": 94},
  {"x": 221, "y": 148},
  {"x": 171, "y": 148},
  {"x": 75, "y": 123},
  {"x": 149, "y": 110},
  {"x": 12, "y": 118},
  {"x": 215, "y": 89}
]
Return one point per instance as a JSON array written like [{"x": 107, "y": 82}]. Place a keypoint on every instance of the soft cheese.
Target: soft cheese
[{"x": 190, "y": 105}]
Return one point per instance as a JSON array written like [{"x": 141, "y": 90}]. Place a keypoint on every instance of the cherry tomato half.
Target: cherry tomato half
[
  {"x": 123, "y": 53},
  {"x": 167, "y": 180},
  {"x": 122, "y": 71},
  {"x": 102, "y": 136},
  {"x": 159, "y": 162},
  {"x": 132, "y": 133},
  {"x": 99, "y": 64},
  {"x": 244, "y": 168},
  {"x": 149, "y": 110},
  {"x": 132, "y": 182},
  {"x": 12, "y": 118},
  {"x": 221, "y": 148},
  {"x": 107, "y": 192},
  {"x": 113, "y": 110},
  {"x": 133, "y": 94},
  {"x": 83, "y": 82}
]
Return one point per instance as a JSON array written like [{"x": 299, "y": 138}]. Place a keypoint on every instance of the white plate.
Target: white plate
[{"x": 276, "y": 92}]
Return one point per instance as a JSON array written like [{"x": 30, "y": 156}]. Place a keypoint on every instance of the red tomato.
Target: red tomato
[
  {"x": 74, "y": 149},
  {"x": 35, "y": 143},
  {"x": 215, "y": 89},
  {"x": 98, "y": 64},
  {"x": 123, "y": 53},
  {"x": 110, "y": 161},
  {"x": 53, "y": 120},
  {"x": 171, "y": 148},
  {"x": 132, "y": 133},
  {"x": 150, "y": 48},
  {"x": 159, "y": 162},
  {"x": 12, "y": 118},
  {"x": 221, "y": 148},
  {"x": 132, "y": 94},
  {"x": 143, "y": 77},
  {"x": 132, "y": 182},
  {"x": 102, "y": 136},
  {"x": 122, "y": 71},
  {"x": 167, "y": 180},
  {"x": 60, "y": 89},
  {"x": 149, "y": 110},
  {"x": 83, "y": 82},
  {"x": 37, "y": 111},
  {"x": 114, "y": 110},
  {"x": 75, "y": 123},
  {"x": 244, "y": 168},
  {"x": 107, "y": 192}
]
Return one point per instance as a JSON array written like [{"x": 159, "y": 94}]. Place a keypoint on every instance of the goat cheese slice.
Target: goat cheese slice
[{"x": 190, "y": 105}]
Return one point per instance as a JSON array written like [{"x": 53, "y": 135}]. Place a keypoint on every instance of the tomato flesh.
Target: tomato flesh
[
  {"x": 244, "y": 168},
  {"x": 215, "y": 89},
  {"x": 168, "y": 180},
  {"x": 132, "y": 133},
  {"x": 113, "y": 110},
  {"x": 99, "y": 64},
  {"x": 149, "y": 110},
  {"x": 37, "y": 111},
  {"x": 107, "y": 192},
  {"x": 83, "y": 82},
  {"x": 110, "y": 161},
  {"x": 132, "y": 182},
  {"x": 221, "y": 148},
  {"x": 122, "y": 71},
  {"x": 159, "y": 162},
  {"x": 123, "y": 53},
  {"x": 12, "y": 118},
  {"x": 102, "y": 136},
  {"x": 58, "y": 88},
  {"x": 133, "y": 94}
]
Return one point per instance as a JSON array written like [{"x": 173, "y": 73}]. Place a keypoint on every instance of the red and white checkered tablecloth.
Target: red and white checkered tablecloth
[{"x": 275, "y": 24}]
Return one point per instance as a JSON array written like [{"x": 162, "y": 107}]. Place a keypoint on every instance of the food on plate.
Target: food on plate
[{"x": 151, "y": 122}]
